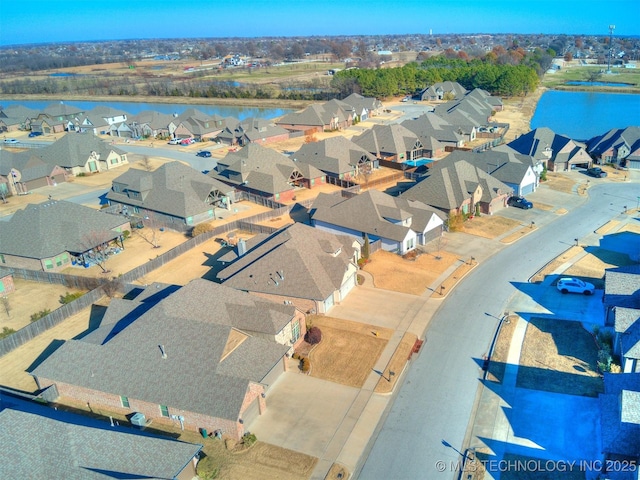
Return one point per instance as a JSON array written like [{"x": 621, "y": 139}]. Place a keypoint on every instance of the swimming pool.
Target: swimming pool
[{"x": 418, "y": 162}]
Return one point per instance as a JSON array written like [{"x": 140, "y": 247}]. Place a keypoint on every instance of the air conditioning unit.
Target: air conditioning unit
[{"x": 138, "y": 419}]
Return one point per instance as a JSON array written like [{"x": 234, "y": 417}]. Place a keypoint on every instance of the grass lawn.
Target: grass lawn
[
  {"x": 501, "y": 350},
  {"x": 489, "y": 226},
  {"x": 558, "y": 181},
  {"x": 559, "y": 356},
  {"x": 348, "y": 350}
]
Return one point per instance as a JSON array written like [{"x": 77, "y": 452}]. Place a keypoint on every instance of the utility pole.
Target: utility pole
[{"x": 611, "y": 29}]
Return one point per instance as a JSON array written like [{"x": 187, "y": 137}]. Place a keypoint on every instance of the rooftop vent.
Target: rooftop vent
[{"x": 162, "y": 351}]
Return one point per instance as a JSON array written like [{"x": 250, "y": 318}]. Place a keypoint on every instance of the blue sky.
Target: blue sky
[{"x": 41, "y": 21}]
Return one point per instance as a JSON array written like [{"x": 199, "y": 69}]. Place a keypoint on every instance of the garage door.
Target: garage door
[
  {"x": 634, "y": 164},
  {"x": 274, "y": 374},
  {"x": 347, "y": 287},
  {"x": 328, "y": 303},
  {"x": 250, "y": 414},
  {"x": 526, "y": 189}
]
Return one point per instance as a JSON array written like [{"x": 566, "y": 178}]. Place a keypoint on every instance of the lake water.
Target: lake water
[
  {"x": 133, "y": 108},
  {"x": 584, "y": 115},
  {"x": 600, "y": 84}
]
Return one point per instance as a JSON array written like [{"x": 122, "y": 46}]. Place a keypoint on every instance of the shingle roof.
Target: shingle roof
[
  {"x": 375, "y": 213},
  {"x": 431, "y": 125},
  {"x": 504, "y": 166},
  {"x": 174, "y": 189},
  {"x": 623, "y": 281},
  {"x": 44, "y": 443},
  {"x": 395, "y": 139},
  {"x": 74, "y": 149},
  {"x": 185, "y": 322},
  {"x": 628, "y": 137},
  {"x": 30, "y": 166},
  {"x": 335, "y": 155},
  {"x": 627, "y": 322},
  {"x": 53, "y": 227},
  {"x": 620, "y": 414},
  {"x": 544, "y": 143},
  {"x": 307, "y": 258}
]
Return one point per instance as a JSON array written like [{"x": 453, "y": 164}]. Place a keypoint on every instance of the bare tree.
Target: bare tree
[
  {"x": 146, "y": 163},
  {"x": 5, "y": 304},
  {"x": 150, "y": 232},
  {"x": 96, "y": 246}
]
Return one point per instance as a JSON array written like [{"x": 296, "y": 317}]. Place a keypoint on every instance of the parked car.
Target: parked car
[
  {"x": 35, "y": 134},
  {"x": 519, "y": 202},
  {"x": 596, "y": 172},
  {"x": 575, "y": 285},
  {"x": 175, "y": 141},
  {"x": 204, "y": 153},
  {"x": 10, "y": 141},
  {"x": 187, "y": 141}
]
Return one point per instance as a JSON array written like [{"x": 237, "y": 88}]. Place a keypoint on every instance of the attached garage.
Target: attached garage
[
  {"x": 633, "y": 164},
  {"x": 274, "y": 374},
  {"x": 251, "y": 413},
  {"x": 347, "y": 287},
  {"x": 527, "y": 189},
  {"x": 328, "y": 303}
]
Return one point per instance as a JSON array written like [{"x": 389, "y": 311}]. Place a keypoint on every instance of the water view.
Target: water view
[
  {"x": 133, "y": 108},
  {"x": 599, "y": 84},
  {"x": 583, "y": 115}
]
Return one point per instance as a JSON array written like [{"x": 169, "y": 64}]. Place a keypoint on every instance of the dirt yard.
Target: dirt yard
[
  {"x": 515, "y": 236},
  {"x": 391, "y": 272},
  {"x": 518, "y": 112},
  {"x": 501, "y": 350},
  {"x": 489, "y": 226},
  {"x": 559, "y": 356},
  {"x": 560, "y": 182},
  {"x": 348, "y": 350},
  {"x": 397, "y": 363},
  {"x": 30, "y": 298}
]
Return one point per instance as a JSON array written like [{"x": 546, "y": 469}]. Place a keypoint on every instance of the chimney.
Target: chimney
[
  {"x": 162, "y": 351},
  {"x": 242, "y": 247}
]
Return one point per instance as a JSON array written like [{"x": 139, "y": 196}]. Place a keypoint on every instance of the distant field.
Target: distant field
[{"x": 580, "y": 73}]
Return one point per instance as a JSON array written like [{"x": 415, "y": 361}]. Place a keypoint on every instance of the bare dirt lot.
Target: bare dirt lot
[
  {"x": 489, "y": 226},
  {"x": 559, "y": 356},
  {"x": 30, "y": 298},
  {"x": 392, "y": 272},
  {"x": 348, "y": 350}
]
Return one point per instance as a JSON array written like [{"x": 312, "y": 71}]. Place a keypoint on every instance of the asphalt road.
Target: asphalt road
[
  {"x": 173, "y": 152},
  {"x": 436, "y": 399}
]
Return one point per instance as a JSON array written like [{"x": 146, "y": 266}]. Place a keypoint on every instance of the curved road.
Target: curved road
[{"x": 436, "y": 399}]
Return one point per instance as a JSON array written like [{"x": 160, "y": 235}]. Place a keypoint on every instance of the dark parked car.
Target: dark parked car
[
  {"x": 204, "y": 153},
  {"x": 519, "y": 202},
  {"x": 35, "y": 134},
  {"x": 596, "y": 172}
]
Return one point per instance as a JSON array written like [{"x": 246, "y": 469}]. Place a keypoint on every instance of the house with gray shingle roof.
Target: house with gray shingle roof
[
  {"x": 620, "y": 146},
  {"x": 392, "y": 143},
  {"x": 16, "y": 117},
  {"x": 177, "y": 352},
  {"x": 21, "y": 172},
  {"x": 399, "y": 224},
  {"x": 430, "y": 126},
  {"x": 72, "y": 446},
  {"x": 174, "y": 196},
  {"x": 310, "y": 268},
  {"x": 150, "y": 123},
  {"x": 53, "y": 235},
  {"x": 338, "y": 157},
  {"x": 620, "y": 420},
  {"x": 318, "y": 118},
  {"x": 56, "y": 118},
  {"x": 252, "y": 130},
  {"x": 621, "y": 289},
  {"x": 265, "y": 172},
  {"x": 82, "y": 153},
  {"x": 439, "y": 90},
  {"x": 365, "y": 107},
  {"x": 627, "y": 339},
  {"x": 198, "y": 125},
  {"x": 558, "y": 152},
  {"x": 460, "y": 188}
]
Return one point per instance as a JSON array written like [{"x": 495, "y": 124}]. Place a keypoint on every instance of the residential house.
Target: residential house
[
  {"x": 620, "y": 425},
  {"x": 337, "y": 157},
  {"x": 521, "y": 173},
  {"x": 82, "y": 153},
  {"x": 621, "y": 289},
  {"x": 54, "y": 235},
  {"x": 21, "y": 172},
  {"x": 558, "y": 152},
  {"x": 16, "y": 117},
  {"x": 198, "y": 125},
  {"x": 6, "y": 283},
  {"x": 364, "y": 107},
  {"x": 174, "y": 196},
  {"x": 56, "y": 118},
  {"x": 177, "y": 354},
  {"x": 484, "y": 96},
  {"x": 391, "y": 143},
  {"x": 300, "y": 265},
  {"x": 400, "y": 225},
  {"x": 252, "y": 130},
  {"x": 318, "y": 118},
  {"x": 626, "y": 343},
  {"x": 150, "y": 123},
  {"x": 265, "y": 172},
  {"x": 620, "y": 146},
  {"x": 72, "y": 446},
  {"x": 436, "y": 134},
  {"x": 460, "y": 188},
  {"x": 441, "y": 91}
]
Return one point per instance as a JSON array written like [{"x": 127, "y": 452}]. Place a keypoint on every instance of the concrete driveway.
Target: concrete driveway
[
  {"x": 373, "y": 306},
  {"x": 303, "y": 413}
]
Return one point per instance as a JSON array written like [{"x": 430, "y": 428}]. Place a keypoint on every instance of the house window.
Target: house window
[
  {"x": 189, "y": 220},
  {"x": 48, "y": 264},
  {"x": 313, "y": 181},
  {"x": 65, "y": 258},
  {"x": 277, "y": 196},
  {"x": 295, "y": 331},
  {"x": 124, "y": 401},
  {"x": 58, "y": 261},
  {"x": 136, "y": 210},
  {"x": 164, "y": 411},
  {"x": 114, "y": 160}
]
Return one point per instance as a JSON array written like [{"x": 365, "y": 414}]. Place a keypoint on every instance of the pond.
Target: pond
[{"x": 599, "y": 84}]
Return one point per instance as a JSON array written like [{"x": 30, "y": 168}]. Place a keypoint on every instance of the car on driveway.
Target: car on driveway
[
  {"x": 35, "y": 134},
  {"x": 175, "y": 141},
  {"x": 596, "y": 172},
  {"x": 519, "y": 202},
  {"x": 574, "y": 285},
  {"x": 204, "y": 153},
  {"x": 187, "y": 141},
  {"x": 10, "y": 141}
]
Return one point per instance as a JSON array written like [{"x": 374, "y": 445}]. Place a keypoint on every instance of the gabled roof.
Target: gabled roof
[
  {"x": 296, "y": 261},
  {"x": 449, "y": 184},
  {"x": 194, "y": 326},
  {"x": 155, "y": 120},
  {"x": 47, "y": 229},
  {"x": 614, "y": 139},
  {"x": 74, "y": 149},
  {"x": 375, "y": 213},
  {"x": 544, "y": 143},
  {"x": 30, "y": 166},
  {"x": 395, "y": 139},
  {"x": 19, "y": 111},
  {"x": 256, "y": 129},
  {"x": 627, "y": 322},
  {"x": 504, "y": 166},
  {"x": 106, "y": 111},
  {"x": 174, "y": 188},
  {"x": 61, "y": 110},
  {"x": 74, "y": 447},
  {"x": 444, "y": 87},
  {"x": 465, "y": 113},
  {"x": 335, "y": 155},
  {"x": 624, "y": 282},
  {"x": 431, "y": 125},
  {"x": 358, "y": 102},
  {"x": 620, "y": 414},
  {"x": 316, "y": 115},
  {"x": 261, "y": 169}
]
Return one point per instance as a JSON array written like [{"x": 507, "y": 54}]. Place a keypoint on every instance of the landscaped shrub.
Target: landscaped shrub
[
  {"x": 313, "y": 335},
  {"x": 305, "y": 364},
  {"x": 40, "y": 314},
  {"x": 296, "y": 356},
  {"x": 69, "y": 297},
  {"x": 207, "y": 468},
  {"x": 249, "y": 439},
  {"x": 201, "y": 228},
  {"x": 6, "y": 331}
]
